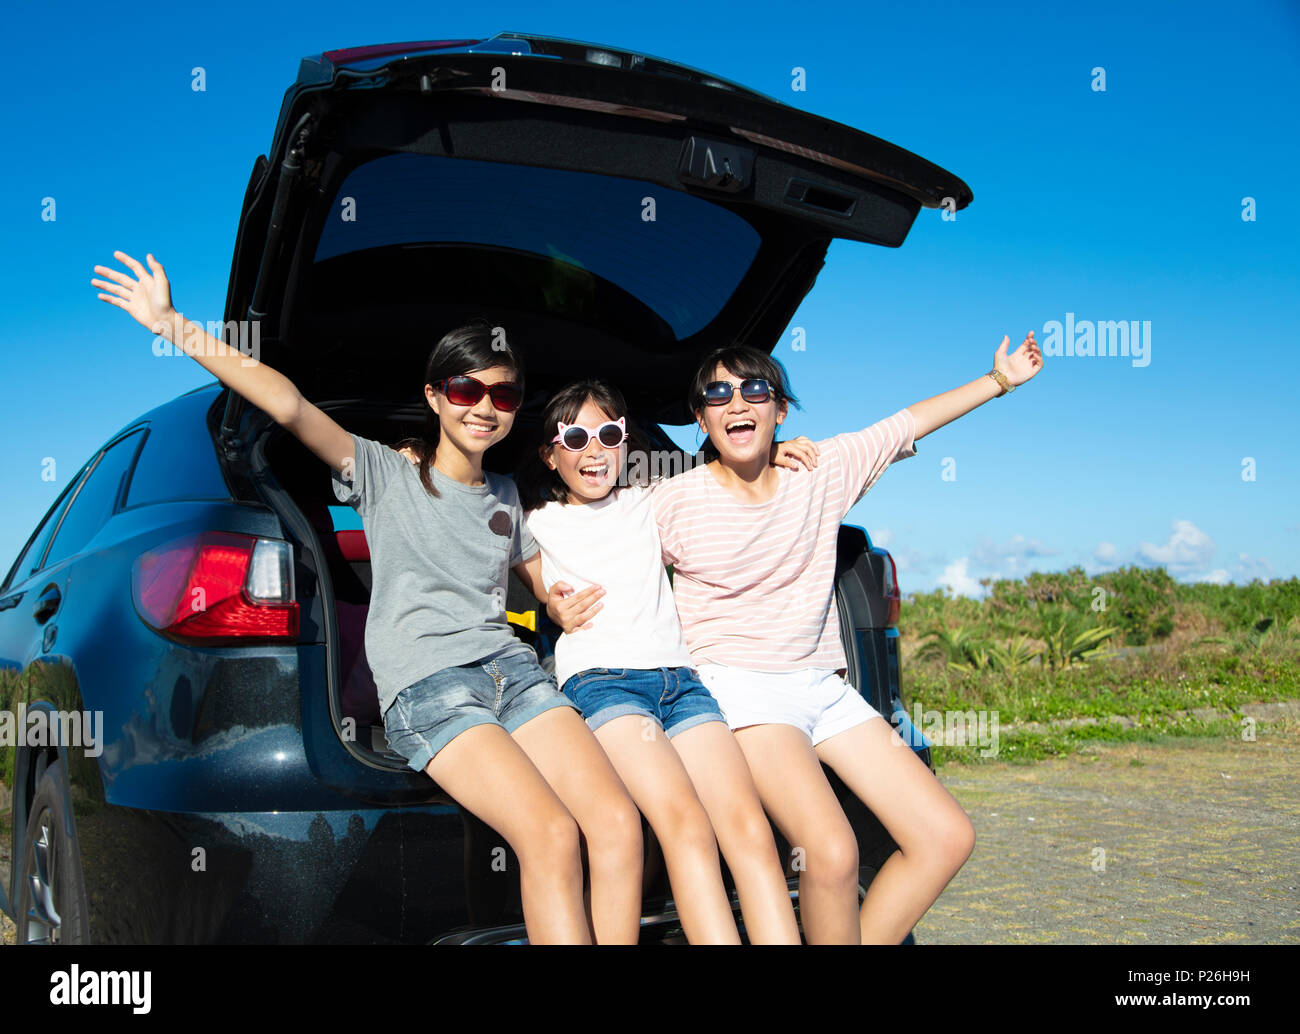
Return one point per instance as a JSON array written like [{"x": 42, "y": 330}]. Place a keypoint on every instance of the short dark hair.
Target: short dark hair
[
  {"x": 538, "y": 484},
  {"x": 746, "y": 363}
]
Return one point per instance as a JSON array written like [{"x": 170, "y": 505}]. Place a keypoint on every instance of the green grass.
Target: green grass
[
  {"x": 1024, "y": 747},
  {"x": 1028, "y": 652}
]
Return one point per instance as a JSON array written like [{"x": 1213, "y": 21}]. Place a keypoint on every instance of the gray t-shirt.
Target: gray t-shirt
[{"x": 439, "y": 567}]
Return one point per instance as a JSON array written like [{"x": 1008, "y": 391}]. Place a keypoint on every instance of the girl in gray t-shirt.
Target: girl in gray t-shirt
[{"x": 464, "y": 700}]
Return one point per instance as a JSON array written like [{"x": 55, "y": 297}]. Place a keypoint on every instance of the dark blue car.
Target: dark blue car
[{"x": 623, "y": 215}]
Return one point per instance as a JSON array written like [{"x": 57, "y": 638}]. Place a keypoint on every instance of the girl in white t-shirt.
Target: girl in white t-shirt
[{"x": 629, "y": 671}]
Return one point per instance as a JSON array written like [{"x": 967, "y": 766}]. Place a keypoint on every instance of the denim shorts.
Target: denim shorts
[
  {"x": 506, "y": 688},
  {"x": 674, "y": 697}
]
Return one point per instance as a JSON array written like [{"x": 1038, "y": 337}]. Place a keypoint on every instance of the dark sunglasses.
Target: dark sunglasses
[
  {"x": 467, "y": 391},
  {"x": 718, "y": 393}
]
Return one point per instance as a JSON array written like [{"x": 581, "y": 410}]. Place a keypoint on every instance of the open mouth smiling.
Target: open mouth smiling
[
  {"x": 594, "y": 473},
  {"x": 740, "y": 431}
]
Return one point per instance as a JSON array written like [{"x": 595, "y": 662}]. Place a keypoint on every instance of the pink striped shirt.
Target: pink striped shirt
[{"x": 754, "y": 582}]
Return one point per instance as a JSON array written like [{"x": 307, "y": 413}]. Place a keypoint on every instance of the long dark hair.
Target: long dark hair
[
  {"x": 475, "y": 346},
  {"x": 747, "y": 364},
  {"x": 539, "y": 484}
]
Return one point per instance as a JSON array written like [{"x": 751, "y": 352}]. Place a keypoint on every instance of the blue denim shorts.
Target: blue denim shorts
[
  {"x": 506, "y": 688},
  {"x": 674, "y": 697}
]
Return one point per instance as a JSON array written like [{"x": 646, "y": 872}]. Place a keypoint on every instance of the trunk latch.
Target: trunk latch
[{"x": 716, "y": 165}]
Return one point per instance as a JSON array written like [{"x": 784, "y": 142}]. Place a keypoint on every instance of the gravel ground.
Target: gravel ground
[{"x": 1187, "y": 841}]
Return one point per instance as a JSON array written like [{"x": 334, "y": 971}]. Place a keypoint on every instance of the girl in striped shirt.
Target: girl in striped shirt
[{"x": 753, "y": 549}]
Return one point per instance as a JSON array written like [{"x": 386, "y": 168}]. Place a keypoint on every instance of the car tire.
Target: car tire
[{"x": 50, "y": 899}]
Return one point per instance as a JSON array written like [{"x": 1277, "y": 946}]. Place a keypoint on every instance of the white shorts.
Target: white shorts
[{"x": 815, "y": 700}]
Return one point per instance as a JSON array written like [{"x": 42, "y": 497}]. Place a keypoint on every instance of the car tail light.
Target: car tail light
[
  {"x": 218, "y": 585},
  {"x": 891, "y": 591}
]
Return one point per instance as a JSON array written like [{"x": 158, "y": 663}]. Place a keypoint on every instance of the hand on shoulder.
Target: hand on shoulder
[{"x": 410, "y": 454}]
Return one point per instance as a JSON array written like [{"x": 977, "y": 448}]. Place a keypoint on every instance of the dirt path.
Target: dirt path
[{"x": 1201, "y": 842}]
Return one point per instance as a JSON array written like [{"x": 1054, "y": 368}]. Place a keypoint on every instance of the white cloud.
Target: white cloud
[
  {"x": 882, "y": 537},
  {"x": 1188, "y": 550},
  {"x": 956, "y": 578},
  {"x": 911, "y": 564},
  {"x": 1188, "y": 555},
  {"x": 1014, "y": 552},
  {"x": 1247, "y": 568}
]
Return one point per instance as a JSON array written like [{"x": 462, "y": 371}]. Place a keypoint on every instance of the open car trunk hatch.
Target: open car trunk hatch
[{"x": 616, "y": 215}]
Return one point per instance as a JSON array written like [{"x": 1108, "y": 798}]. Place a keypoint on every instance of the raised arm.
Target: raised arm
[
  {"x": 148, "y": 298},
  {"x": 1018, "y": 367}
]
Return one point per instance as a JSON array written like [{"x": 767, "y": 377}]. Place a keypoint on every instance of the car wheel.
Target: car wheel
[{"x": 50, "y": 904}]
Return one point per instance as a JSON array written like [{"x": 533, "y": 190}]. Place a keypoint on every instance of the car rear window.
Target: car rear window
[
  {"x": 684, "y": 264},
  {"x": 176, "y": 466}
]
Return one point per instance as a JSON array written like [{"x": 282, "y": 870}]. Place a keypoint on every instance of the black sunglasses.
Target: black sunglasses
[{"x": 718, "y": 393}]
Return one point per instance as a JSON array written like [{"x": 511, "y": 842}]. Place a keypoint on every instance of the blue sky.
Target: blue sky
[{"x": 1122, "y": 204}]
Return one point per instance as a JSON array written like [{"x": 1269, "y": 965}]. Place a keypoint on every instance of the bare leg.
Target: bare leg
[
  {"x": 934, "y": 835},
  {"x": 661, "y": 788},
  {"x": 568, "y": 756},
  {"x": 486, "y": 772},
  {"x": 713, "y": 759},
  {"x": 794, "y": 791}
]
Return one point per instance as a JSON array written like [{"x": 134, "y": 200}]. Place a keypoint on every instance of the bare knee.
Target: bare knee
[
  {"x": 958, "y": 841},
  {"x": 550, "y": 842},
  {"x": 833, "y": 862},
  {"x": 615, "y": 840},
  {"x": 746, "y": 836},
  {"x": 949, "y": 844},
  {"x": 684, "y": 824}
]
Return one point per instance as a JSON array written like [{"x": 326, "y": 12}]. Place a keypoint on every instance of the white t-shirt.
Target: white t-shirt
[{"x": 613, "y": 543}]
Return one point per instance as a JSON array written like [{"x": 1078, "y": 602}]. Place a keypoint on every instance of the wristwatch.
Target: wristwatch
[{"x": 1001, "y": 378}]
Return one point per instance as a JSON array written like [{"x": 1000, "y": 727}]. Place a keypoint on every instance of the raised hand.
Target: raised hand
[
  {"x": 573, "y": 611},
  {"x": 148, "y": 298},
  {"x": 1021, "y": 364}
]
